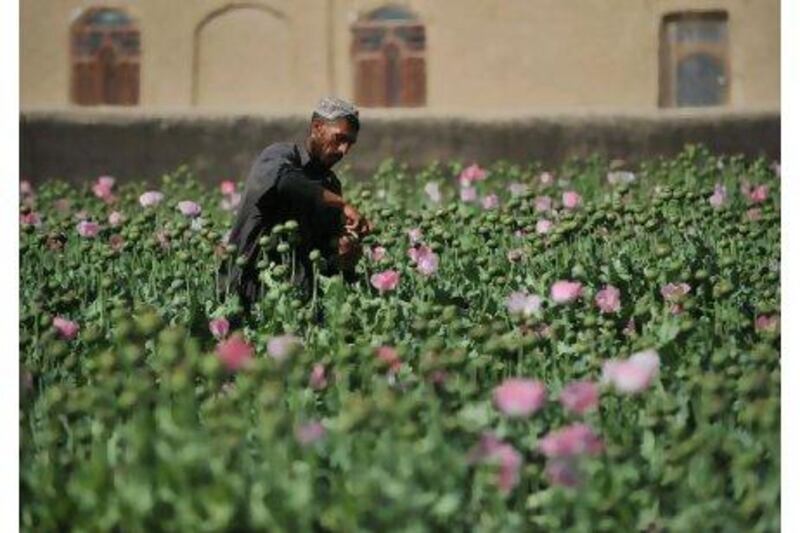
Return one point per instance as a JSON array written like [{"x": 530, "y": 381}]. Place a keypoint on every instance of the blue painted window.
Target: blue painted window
[{"x": 694, "y": 69}]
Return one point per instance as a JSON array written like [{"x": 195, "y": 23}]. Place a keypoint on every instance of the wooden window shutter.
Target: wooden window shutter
[
  {"x": 371, "y": 81},
  {"x": 105, "y": 58},
  {"x": 389, "y": 59},
  {"x": 413, "y": 81}
]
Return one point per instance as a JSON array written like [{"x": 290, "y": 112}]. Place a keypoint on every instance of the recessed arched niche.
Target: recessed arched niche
[{"x": 242, "y": 58}]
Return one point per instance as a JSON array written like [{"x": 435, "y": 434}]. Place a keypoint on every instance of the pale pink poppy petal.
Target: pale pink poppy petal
[
  {"x": 234, "y": 353},
  {"x": 150, "y": 198},
  {"x": 566, "y": 291},
  {"x": 281, "y": 347},
  {"x": 607, "y": 299},
  {"x": 634, "y": 374},
  {"x": 219, "y": 327},
  {"x": 571, "y": 441},
  {"x": 385, "y": 281},
  {"x": 519, "y": 397},
  {"x": 580, "y": 397},
  {"x": 67, "y": 329},
  {"x": 571, "y": 199}
]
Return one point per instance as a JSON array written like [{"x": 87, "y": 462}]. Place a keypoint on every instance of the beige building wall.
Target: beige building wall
[{"x": 494, "y": 55}]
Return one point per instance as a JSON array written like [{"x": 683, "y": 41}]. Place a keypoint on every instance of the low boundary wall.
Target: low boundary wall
[{"x": 82, "y": 144}]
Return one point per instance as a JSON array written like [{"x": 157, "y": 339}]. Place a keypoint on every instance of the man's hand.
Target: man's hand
[
  {"x": 355, "y": 222},
  {"x": 353, "y": 219}
]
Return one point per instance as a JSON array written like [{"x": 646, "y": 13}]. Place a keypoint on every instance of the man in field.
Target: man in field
[{"x": 295, "y": 182}]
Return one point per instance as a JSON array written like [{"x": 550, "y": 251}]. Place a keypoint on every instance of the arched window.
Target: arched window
[
  {"x": 105, "y": 58},
  {"x": 389, "y": 59},
  {"x": 694, "y": 59}
]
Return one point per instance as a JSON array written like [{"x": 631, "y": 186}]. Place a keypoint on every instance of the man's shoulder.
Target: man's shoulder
[{"x": 283, "y": 152}]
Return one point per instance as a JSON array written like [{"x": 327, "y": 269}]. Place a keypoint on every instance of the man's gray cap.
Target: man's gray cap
[{"x": 331, "y": 108}]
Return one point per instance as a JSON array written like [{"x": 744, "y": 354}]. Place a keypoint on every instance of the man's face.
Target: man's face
[{"x": 330, "y": 141}]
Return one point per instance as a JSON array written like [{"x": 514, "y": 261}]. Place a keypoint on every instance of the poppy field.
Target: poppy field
[{"x": 594, "y": 347}]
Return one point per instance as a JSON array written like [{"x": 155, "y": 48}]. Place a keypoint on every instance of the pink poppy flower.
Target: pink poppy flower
[
  {"x": 674, "y": 292},
  {"x": 566, "y": 291},
  {"x": 515, "y": 255},
  {"x": 25, "y": 188},
  {"x": 607, "y": 299},
  {"x": 517, "y": 189},
  {"x": 282, "y": 347},
  {"x": 415, "y": 235},
  {"x": 562, "y": 472},
  {"x": 543, "y": 226},
  {"x": 428, "y": 264},
  {"x": 759, "y": 194},
  {"x": 518, "y": 397},
  {"x": 415, "y": 252},
  {"x": 468, "y": 194},
  {"x": 634, "y": 374},
  {"x": 432, "y": 190},
  {"x": 494, "y": 451},
  {"x": 219, "y": 327},
  {"x": 546, "y": 178},
  {"x": 510, "y": 463},
  {"x": 234, "y": 353},
  {"x": 523, "y": 303},
  {"x": 542, "y": 204},
  {"x": 579, "y": 397},
  {"x": 88, "y": 229},
  {"x": 317, "y": 379},
  {"x": 309, "y": 433},
  {"x": 385, "y": 281},
  {"x": 116, "y": 242},
  {"x": 471, "y": 174},
  {"x": 116, "y": 218},
  {"x": 426, "y": 260},
  {"x": 30, "y": 219},
  {"x": 490, "y": 201},
  {"x": 67, "y": 329},
  {"x": 231, "y": 202},
  {"x": 102, "y": 188},
  {"x": 189, "y": 208},
  {"x": 753, "y": 214},
  {"x": 571, "y": 441},
  {"x": 571, "y": 199},
  {"x": 150, "y": 198},
  {"x": 227, "y": 187},
  {"x": 767, "y": 323},
  {"x": 719, "y": 197},
  {"x": 390, "y": 357},
  {"x": 378, "y": 253}
]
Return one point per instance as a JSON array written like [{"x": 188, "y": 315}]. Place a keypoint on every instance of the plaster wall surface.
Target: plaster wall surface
[{"x": 272, "y": 55}]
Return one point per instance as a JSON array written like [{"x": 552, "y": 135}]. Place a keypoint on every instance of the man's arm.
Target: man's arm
[{"x": 308, "y": 192}]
